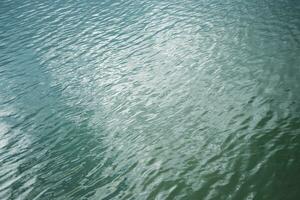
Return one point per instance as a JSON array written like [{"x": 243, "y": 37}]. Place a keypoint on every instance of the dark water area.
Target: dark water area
[{"x": 152, "y": 99}]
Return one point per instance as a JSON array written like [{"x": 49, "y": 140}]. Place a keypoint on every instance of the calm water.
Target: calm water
[{"x": 151, "y": 99}]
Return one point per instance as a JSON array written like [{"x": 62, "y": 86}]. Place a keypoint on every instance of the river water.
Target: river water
[{"x": 150, "y": 99}]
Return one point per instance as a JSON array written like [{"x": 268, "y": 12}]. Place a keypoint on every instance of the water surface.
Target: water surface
[{"x": 153, "y": 99}]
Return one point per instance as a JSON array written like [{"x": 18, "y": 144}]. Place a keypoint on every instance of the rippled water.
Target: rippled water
[{"x": 151, "y": 99}]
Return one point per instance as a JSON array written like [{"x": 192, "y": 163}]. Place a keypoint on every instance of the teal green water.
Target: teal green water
[{"x": 154, "y": 99}]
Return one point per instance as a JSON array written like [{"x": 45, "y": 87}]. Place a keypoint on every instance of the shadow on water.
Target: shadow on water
[{"x": 49, "y": 148}]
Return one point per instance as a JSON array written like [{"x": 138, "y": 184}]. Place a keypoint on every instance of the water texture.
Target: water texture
[{"x": 153, "y": 99}]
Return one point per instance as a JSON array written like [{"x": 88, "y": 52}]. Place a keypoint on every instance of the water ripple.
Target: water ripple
[{"x": 149, "y": 99}]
